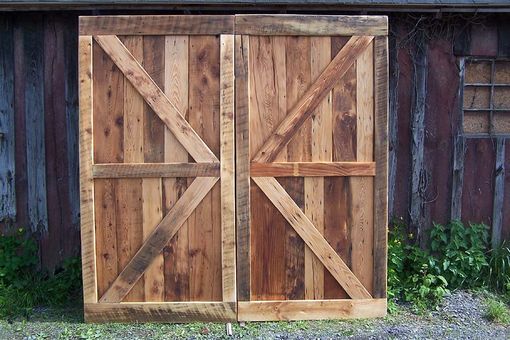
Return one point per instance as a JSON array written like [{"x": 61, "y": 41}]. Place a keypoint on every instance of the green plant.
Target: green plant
[
  {"x": 23, "y": 286},
  {"x": 460, "y": 251},
  {"x": 497, "y": 311},
  {"x": 497, "y": 273}
]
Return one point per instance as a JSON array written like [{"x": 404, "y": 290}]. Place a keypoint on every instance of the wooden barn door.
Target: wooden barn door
[
  {"x": 311, "y": 105},
  {"x": 157, "y": 168}
]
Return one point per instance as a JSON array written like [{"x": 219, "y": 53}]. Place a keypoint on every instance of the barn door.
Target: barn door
[
  {"x": 311, "y": 128},
  {"x": 157, "y": 168}
]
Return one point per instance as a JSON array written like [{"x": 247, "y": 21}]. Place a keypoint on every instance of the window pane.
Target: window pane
[
  {"x": 477, "y": 97},
  {"x": 502, "y": 72},
  {"x": 476, "y": 122},
  {"x": 501, "y": 98},
  {"x": 477, "y": 72}
]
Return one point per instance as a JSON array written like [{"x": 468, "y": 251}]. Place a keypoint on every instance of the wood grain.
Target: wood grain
[
  {"x": 312, "y": 169},
  {"x": 87, "y": 227},
  {"x": 312, "y": 237},
  {"x": 310, "y": 25},
  {"x": 145, "y": 170},
  {"x": 155, "y": 97},
  {"x": 228, "y": 249},
  {"x": 160, "y": 312},
  {"x": 156, "y": 241},
  {"x": 312, "y": 97},
  {"x": 311, "y": 310},
  {"x": 157, "y": 24}
]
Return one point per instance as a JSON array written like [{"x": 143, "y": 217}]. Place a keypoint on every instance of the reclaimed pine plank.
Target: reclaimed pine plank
[
  {"x": 88, "y": 235},
  {"x": 267, "y": 107},
  {"x": 306, "y": 230},
  {"x": 157, "y": 24},
  {"x": 312, "y": 169},
  {"x": 310, "y": 25},
  {"x": 129, "y": 191},
  {"x": 362, "y": 188},
  {"x": 321, "y": 148},
  {"x": 108, "y": 130},
  {"x": 156, "y": 98},
  {"x": 176, "y": 253},
  {"x": 228, "y": 250},
  {"x": 381, "y": 159},
  {"x": 153, "y": 149},
  {"x": 158, "y": 239},
  {"x": 7, "y": 136},
  {"x": 144, "y": 170},
  {"x": 340, "y": 64},
  {"x": 204, "y": 117},
  {"x": 242, "y": 169}
]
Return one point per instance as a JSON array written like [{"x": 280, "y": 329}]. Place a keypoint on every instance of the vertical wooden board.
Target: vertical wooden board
[
  {"x": 267, "y": 107},
  {"x": 321, "y": 140},
  {"x": 505, "y": 231},
  {"x": 52, "y": 243},
  {"x": 205, "y": 222},
  {"x": 362, "y": 188},
  {"x": 108, "y": 138},
  {"x": 242, "y": 123},
  {"x": 299, "y": 149},
  {"x": 129, "y": 191},
  {"x": 381, "y": 158},
  {"x": 7, "y": 139},
  {"x": 338, "y": 191},
  {"x": 176, "y": 253},
  {"x": 228, "y": 253},
  {"x": 33, "y": 37},
  {"x": 153, "y": 147},
  {"x": 88, "y": 238}
]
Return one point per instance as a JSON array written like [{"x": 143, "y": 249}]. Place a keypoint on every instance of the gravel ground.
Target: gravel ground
[{"x": 459, "y": 317}]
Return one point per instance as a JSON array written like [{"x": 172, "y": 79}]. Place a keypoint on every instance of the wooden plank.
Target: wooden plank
[
  {"x": 242, "y": 169},
  {"x": 312, "y": 237},
  {"x": 204, "y": 117},
  {"x": 156, "y": 241},
  {"x": 312, "y": 169},
  {"x": 155, "y": 97},
  {"x": 7, "y": 136},
  {"x": 153, "y": 147},
  {"x": 309, "y": 25},
  {"x": 176, "y": 254},
  {"x": 145, "y": 170},
  {"x": 157, "y": 24},
  {"x": 267, "y": 107},
  {"x": 129, "y": 191},
  {"x": 499, "y": 192},
  {"x": 184, "y": 312},
  {"x": 320, "y": 56},
  {"x": 313, "y": 96},
  {"x": 362, "y": 189},
  {"x": 108, "y": 131},
  {"x": 88, "y": 244},
  {"x": 393, "y": 122},
  {"x": 381, "y": 160},
  {"x": 34, "y": 125},
  {"x": 311, "y": 310},
  {"x": 459, "y": 151},
  {"x": 228, "y": 250}
]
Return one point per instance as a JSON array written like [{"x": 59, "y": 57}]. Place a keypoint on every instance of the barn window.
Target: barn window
[{"x": 486, "y": 96}]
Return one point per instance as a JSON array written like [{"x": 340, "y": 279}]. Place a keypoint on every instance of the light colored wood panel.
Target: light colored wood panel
[
  {"x": 156, "y": 241},
  {"x": 313, "y": 96},
  {"x": 242, "y": 169},
  {"x": 87, "y": 228},
  {"x": 228, "y": 252},
  {"x": 160, "y": 312},
  {"x": 362, "y": 188},
  {"x": 155, "y": 97},
  {"x": 321, "y": 145},
  {"x": 142, "y": 170},
  {"x": 311, "y": 310},
  {"x": 157, "y": 24},
  {"x": 176, "y": 88},
  {"x": 312, "y": 169},
  {"x": 381, "y": 159},
  {"x": 321, "y": 25},
  {"x": 312, "y": 237}
]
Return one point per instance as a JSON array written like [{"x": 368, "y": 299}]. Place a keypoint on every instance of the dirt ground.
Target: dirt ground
[{"x": 461, "y": 316}]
